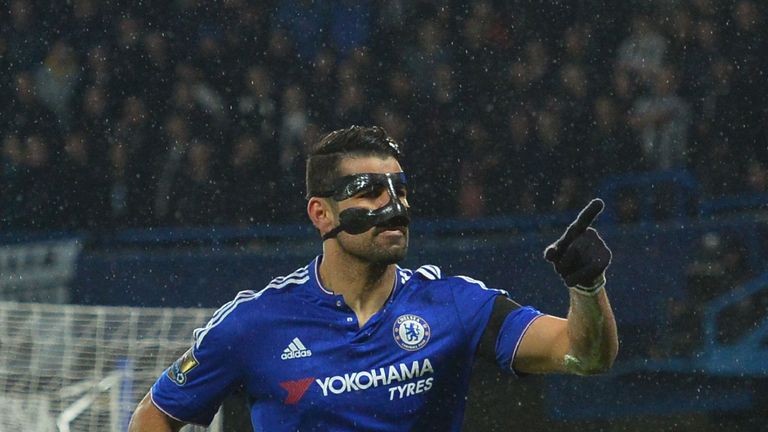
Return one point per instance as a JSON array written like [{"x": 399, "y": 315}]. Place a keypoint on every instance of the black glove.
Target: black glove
[{"x": 580, "y": 256}]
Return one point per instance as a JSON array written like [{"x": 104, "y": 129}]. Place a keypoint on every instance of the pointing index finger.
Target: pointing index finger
[
  {"x": 584, "y": 219},
  {"x": 575, "y": 229}
]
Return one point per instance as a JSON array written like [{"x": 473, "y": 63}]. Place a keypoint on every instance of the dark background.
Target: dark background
[
  {"x": 170, "y": 137},
  {"x": 134, "y": 114}
]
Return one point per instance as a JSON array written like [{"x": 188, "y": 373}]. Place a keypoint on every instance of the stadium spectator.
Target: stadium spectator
[
  {"x": 756, "y": 176},
  {"x": 661, "y": 121},
  {"x": 159, "y": 78},
  {"x": 38, "y": 185},
  {"x": 121, "y": 192},
  {"x": 56, "y": 78},
  {"x": 574, "y": 99},
  {"x": 577, "y": 44},
  {"x": 11, "y": 176},
  {"x": 400, "y": 91},
  {"x": 746, "y": 46},
  {"x": 696, "y": 66},
  {"x": 623, "y": 89},
  {"x": 80, "y": 190},
  {"x": 519, "y": 148},
  {"x": 350, "y": 106},
  {"x": 176, "y": 142},
  {"x": 94, "y": 117},
  {"x": 128, "y": 60},
  {"x": 642, "y": 52},
  {"x": 89, "y": 24},
  {"x": 251, "y": 197},
  {"x": 612, "y": 149},
  {"x": 257, "y": 107},
  {"x": 134, "y": 132},
  {"x": 423, "y": 57},
  {"x": 195, "y": 197},
  {"x": 390, "y": 119},
  {"x": 474, "y": 173},
  {"x": 97, "y": 67},
  {"x": 281, "y": 58},
  {"x": 290, "y": 149},
  {"x": 26, "y": 114},
  {"x": 550, "y": 159},
  {"x": 323, "y": 87},
  {"x": 24, "y": 36}
]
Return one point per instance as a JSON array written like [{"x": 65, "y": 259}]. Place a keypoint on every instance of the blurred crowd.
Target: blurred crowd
[
  {"x": 193, "y": 112},
  {"x": 720, "y": 263}
]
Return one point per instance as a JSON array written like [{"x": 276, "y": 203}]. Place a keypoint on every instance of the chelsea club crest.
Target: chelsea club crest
[{"x": 411, "y": 332}]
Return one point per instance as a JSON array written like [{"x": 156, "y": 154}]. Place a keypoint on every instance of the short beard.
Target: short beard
[{"x": 375, "y": 254}]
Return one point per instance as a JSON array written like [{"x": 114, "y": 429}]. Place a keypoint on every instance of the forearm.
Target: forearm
[
  {"x": 592, "y": 336},
  {"x": 148, "y": 418},
  {"x": 588, "y": 344}
]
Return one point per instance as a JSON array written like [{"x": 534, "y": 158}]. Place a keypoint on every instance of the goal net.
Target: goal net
[{"x": 84, "y": 368}]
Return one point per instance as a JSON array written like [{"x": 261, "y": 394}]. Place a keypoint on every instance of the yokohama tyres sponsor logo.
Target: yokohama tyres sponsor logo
[
  {"x": 383, "y": 376},
  {"x": 411, "y": 375}
]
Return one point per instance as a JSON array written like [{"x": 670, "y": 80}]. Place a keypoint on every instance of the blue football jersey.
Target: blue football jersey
[{"x": 305, "y": 364}]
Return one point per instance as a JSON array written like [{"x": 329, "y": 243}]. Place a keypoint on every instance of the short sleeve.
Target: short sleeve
[
  {"x": 474, "y": 304},
  {"x": 511, "y": 333},
  {"x": 192, "y": 388}
]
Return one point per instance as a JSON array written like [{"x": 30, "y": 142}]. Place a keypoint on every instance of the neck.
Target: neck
[{"x": 365, "y": 286}]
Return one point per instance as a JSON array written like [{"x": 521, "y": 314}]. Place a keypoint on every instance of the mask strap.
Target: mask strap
[{"x": 333, "y": 233}]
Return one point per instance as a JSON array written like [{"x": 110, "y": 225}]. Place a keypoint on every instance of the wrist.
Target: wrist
[{"x": 590, "y": 290}]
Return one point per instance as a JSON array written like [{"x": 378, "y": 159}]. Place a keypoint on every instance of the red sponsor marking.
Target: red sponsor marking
[{"x": 296, "y": 389}]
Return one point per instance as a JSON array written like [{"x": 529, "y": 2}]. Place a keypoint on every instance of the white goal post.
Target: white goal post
[{"x": 74, "y": 368}]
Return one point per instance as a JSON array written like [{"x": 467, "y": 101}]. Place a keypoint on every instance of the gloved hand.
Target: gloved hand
[{"x": 580, "y": 256}]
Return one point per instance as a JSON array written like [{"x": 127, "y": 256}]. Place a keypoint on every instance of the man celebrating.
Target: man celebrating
[{"x": 352, "y": 341}]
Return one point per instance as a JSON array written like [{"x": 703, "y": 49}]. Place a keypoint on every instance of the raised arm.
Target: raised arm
[
  {"x": 586, "y": 342},
  {"x": 148, "y": 418}
]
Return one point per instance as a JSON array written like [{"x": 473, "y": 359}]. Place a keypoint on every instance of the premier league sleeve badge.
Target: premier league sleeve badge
[{"x": 179, "y": 369}]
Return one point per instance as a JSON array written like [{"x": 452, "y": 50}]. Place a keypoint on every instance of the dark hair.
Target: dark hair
[{"x": 354, "y": 141}]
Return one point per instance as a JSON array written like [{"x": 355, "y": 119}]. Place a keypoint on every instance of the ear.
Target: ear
[{"x": 321, "y": 214}]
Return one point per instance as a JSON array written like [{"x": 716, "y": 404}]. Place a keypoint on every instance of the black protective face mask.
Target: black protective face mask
[{"x": 357, "y": 220}]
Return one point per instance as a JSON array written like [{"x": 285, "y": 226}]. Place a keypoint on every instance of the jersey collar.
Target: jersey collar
[{"x": 323, "y": 293}]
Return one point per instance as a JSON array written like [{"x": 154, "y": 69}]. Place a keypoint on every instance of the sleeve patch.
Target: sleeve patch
[{"x": 181, "y": 367}]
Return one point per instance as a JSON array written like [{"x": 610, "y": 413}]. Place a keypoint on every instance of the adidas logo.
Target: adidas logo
[{"x": 295, "y": 349}]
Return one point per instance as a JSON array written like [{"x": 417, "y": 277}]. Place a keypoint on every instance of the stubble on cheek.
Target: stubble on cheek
[{"x": 389, "y": 250}]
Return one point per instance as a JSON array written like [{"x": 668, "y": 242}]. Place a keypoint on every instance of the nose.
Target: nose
[
  {"x": 383, "y": 199},
  {"x": 386, "y": 196}
]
